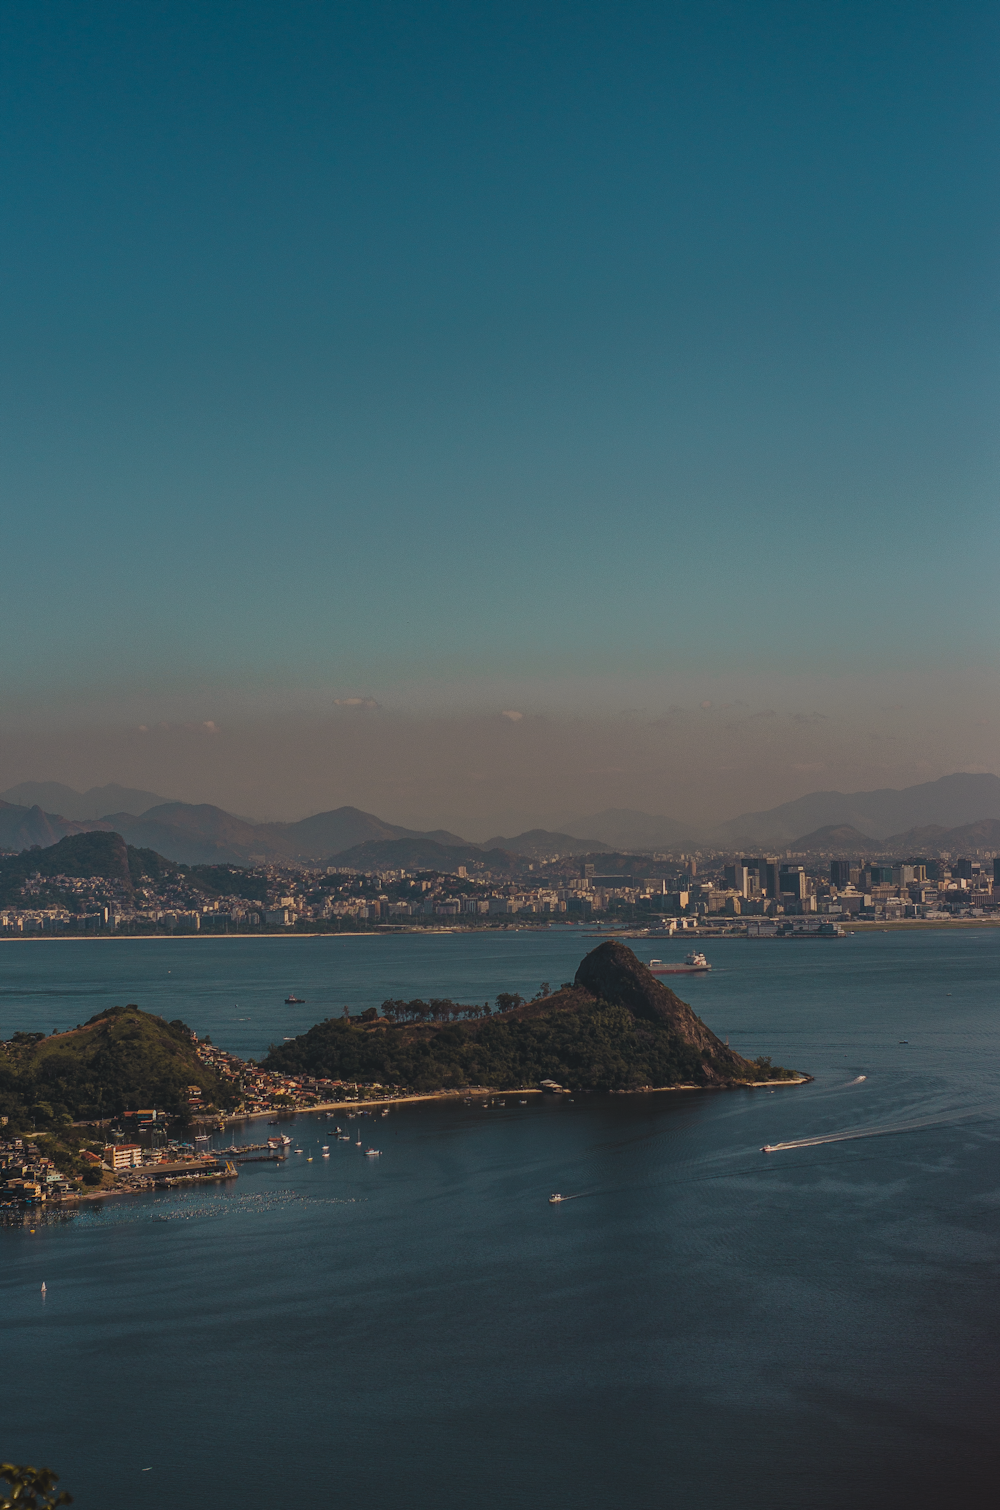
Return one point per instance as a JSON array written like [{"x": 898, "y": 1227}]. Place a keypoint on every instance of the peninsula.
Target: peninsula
[{"x": 614, "y": 1027}]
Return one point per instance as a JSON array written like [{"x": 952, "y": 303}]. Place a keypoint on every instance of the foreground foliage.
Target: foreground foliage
[{"x": 30, "y": 1488}]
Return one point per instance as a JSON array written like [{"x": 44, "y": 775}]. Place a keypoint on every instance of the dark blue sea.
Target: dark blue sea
[{"x": 704, "y": 1325}]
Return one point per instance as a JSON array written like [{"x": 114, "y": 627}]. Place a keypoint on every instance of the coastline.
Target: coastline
[
  {"x": 483, "y": 1090},
  {"x": 326, "y": 1106}
]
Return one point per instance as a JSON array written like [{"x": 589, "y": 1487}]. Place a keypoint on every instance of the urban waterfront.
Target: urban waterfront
[{"x": 706, "y": 1325}]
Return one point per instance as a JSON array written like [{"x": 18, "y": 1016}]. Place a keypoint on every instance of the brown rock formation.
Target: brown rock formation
[{"x": 612, "y": 973}]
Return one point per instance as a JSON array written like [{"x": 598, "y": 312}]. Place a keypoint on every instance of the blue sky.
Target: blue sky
[{"x": 453, "y": 356}]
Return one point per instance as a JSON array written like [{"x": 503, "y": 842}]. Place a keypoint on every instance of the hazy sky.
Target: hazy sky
[{"x": 612, "y": 364}]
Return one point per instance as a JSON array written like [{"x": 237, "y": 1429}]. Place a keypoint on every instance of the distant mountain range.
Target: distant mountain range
[
  {"x": 628, "y": 828},
  {"x": 53, "y": 797},
  {"x": 950, "y": 801},
  {"x": 836, "y": 836},
  {"x": 542, "y": 844},
  {"x": 201, "y": 834},
  {"x": 956, "y": 812}
]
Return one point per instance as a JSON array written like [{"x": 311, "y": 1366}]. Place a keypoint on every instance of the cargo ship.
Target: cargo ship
[{"x": 694, "y": 964}]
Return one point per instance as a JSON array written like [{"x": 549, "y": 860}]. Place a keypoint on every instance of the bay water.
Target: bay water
[{"x": 703, "y": 1325}]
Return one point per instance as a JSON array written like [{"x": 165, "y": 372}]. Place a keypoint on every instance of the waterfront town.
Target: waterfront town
[
  {"x": 140, "y": 1150},
  {"x": 661, "y": 890}
]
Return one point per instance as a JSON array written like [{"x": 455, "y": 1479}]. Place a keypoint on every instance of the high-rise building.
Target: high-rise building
[
  {"x": 840, "y": 872},
  {"x": 792, "y": 880}
]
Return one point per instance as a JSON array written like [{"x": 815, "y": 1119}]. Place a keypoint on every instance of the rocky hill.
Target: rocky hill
[
  {"x": 614, "y": 1027},
  {"x": 120, "y": 1060}
]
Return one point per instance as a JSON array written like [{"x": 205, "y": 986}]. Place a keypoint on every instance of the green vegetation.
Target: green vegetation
[
  {"x": 616, "y": 1027},
  {"x": 601, "y": 1046},
  {"x": 65, "y": 1146},
  {"x": 30, "y": 1488},
  {"x": 107, "y": 854},
  {"x": 96, "y": 854},
  {"x": 120, "y": 1060}
]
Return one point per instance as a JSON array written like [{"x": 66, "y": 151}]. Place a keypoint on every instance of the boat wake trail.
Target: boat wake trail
[{"x": 886, "y": 1131}]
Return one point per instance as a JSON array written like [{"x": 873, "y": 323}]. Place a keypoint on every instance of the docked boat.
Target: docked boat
[
  {"x": 694, "y": 963},
  {"x": 279, "y": 1142}
]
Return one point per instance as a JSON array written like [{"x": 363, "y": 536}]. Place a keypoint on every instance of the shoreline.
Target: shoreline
[
  {"x": 485, "y": 1090},
  {"x": 327, "y": 1106},
  {"x": 869, "y": 925}
]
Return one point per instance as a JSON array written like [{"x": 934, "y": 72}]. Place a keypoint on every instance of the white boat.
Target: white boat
[
  {"x": 555, "y": 1199},
  {"x": 373, "y": 1153},
  {"x": 694, "y": 963},
  {"x": 279, "y": 1141},
  {"x": 767, "y": 1148},
  {"x": 45, "y": 1288}
]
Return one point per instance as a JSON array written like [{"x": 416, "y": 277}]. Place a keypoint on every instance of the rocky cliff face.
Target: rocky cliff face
[{"x": 614, "y": 974}]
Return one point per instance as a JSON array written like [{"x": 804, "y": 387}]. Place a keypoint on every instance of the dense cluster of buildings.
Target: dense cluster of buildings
[
  {"x": 259, "y": 1090},
  {"x": 711, "y": 887},
  {"x": 914, "y": 888},
  {"x": 28, "y": 1175}
]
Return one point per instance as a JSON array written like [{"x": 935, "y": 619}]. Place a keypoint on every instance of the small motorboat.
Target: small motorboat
[
  {"x": 373, "y": 1153},
  {"x": 555, "y": 1199},
  {"x": 326, "y": 1156},
  {"x": 295, "y": 1001},
  {"x": 767, "y": 1148}
]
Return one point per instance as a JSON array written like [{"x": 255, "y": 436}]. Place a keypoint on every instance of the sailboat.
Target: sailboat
[{"x": 45, "y": 1288}]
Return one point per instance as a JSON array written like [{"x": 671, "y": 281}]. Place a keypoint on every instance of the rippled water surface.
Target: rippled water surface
[{"x": 706, "y": 1325}]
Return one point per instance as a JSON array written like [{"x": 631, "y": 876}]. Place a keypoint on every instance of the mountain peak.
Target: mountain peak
[{"x": 613, "y": 973}]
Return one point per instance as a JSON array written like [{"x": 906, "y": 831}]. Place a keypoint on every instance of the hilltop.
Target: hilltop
[
  {"x": 99, "y": 853},
  {"x": 839, "y": 836},
  {"x": 613, "y": 1027},
  {"x": 118, "y": 1061}
]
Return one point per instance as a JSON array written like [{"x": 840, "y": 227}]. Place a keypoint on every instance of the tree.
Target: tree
[{"x": 30, "y": 1488}]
